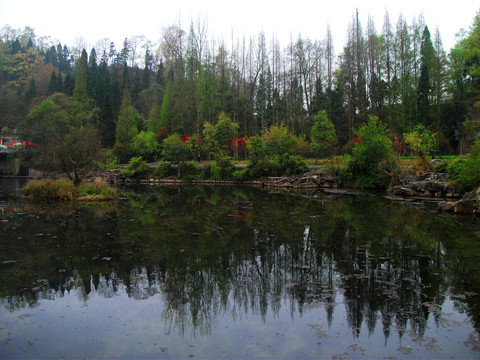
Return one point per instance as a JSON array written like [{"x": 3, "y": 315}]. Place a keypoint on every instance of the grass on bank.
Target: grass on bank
[{"x": 65, "y": 190}]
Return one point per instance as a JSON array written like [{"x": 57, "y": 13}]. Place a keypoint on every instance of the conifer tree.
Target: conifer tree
[
  {"x": 52, "y": 85},
  {"x": 69, "y": 84},
  {"x": 31, "y": 91},
  {"x": 93, "y": 77},
  {"x": 425, "y": 84},
  {"x": 82, "y": 111},
  {"x": 167, "y": 113},
  {"x": 80, "y": 90},
  {"x": 107, "y": 123},
  {"x": 154, "y": 119},
  {"x": 126, "y": 128}
]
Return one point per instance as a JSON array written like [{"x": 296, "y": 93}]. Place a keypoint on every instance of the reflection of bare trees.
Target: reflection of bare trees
[{"x": 209, "y": 264}]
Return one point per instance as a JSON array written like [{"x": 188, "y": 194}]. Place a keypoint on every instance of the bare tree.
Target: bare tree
[
  {"x": 102, "y": 47},
  {"x": 136, "y": 42},
  {"x": 329, "y": 57}
]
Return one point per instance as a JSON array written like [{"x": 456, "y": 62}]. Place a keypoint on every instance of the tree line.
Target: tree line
[{"x": 401, "y": 74}]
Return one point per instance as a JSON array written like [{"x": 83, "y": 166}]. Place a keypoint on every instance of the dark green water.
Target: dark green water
[{"x": 224, "y": 272}]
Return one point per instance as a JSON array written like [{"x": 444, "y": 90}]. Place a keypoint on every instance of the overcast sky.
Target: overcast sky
[{"x": 65, "y": 20}]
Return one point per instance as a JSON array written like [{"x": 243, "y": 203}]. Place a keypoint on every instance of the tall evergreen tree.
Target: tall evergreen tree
[
  {"x": 154, "y": 119},
  {"x": 125, "y": 77},
  {"x": 31, "y": 91},
  {"x": 147, "y": 71},
  {"x": 425, "y": 84},
  {"x": 52, "y": 85},
  {"x": 65, "y": 61},
  {"x": 160, "y": 77},
  {"x": 116, "y": 97},
  {"x": 167, "y": 114},
  {"x": 51, "y": 56},
  {"x": 80, "y": 90},
  {"x": 126, "y": 128},
  {"x": 107, "y": 122},
  {"x": 69, "y": 84},
  {"x": 93, "y": 81}
]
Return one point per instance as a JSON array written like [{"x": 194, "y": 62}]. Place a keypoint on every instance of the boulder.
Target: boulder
[
  {"x": 446, "y": 205},
  {"x": 426, "y": 185},
  {"x": 469, "y": 203},
  {"x": 465, "y": 206},
  {"x": 311, "y": 179}
]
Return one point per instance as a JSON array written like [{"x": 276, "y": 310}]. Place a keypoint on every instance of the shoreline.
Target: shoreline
[{"x": 433, "y": 188}]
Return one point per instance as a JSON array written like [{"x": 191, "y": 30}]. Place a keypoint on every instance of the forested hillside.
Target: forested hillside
[{"x": 399, "y": 73}]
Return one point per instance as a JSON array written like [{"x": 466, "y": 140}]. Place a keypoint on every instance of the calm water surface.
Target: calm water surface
[{"x": 224, "y": 272}]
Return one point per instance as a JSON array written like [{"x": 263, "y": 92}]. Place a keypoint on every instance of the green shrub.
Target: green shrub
[
  {"x": 241, "y": 174},
  {"x": 189, "y": 170},
  {"x": 305, "y": 149},
  {"x": 279, "y": 140},
  {"x": 336, "y": 165},
  {"x": 441, "y": 167},
  {"x": 465, "y": 172},
  {"x": 292, "y": 165},
  {"x": 163, "y": 170},
  {"x": 212, "y": 171},
  {"x": 226, "y": 165},
  {"x": 269, "y": 166},
  {"x": 96, "y": 188},
  {"x": 215, "y": 171},
  {"x": 222, "y": 168},
  {"x": 277, "y": 165},
  {"x": 373, "y": 157},
  {"x": 256, "y": 147},
  {"x": 137, "y": 168},
  {"x": 347, "y": 149},
  {"x": 146, "y": 145},
  {"x": 206, "y": 171},
  {"x": 454, "y": 167},
  {"x": 323, "y": 150}
]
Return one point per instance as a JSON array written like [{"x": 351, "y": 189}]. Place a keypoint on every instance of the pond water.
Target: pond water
[{"x": 233, "y": 272}]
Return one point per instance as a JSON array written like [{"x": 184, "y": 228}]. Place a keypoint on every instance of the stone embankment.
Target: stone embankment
[
  {"x": 310, "y": 180},
  {"x": 437, "y": 185},
  {"x": 425, "y": 185}
]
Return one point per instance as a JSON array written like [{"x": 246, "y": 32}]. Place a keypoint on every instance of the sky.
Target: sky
[{"x": 91, "y": 20}]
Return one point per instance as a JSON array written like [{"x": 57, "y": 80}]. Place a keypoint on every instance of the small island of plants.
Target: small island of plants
[{"x": 64, "y": 189}]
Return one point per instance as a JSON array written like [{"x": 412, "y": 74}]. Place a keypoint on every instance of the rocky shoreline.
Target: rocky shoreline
[{"x": 435, "y": 186}]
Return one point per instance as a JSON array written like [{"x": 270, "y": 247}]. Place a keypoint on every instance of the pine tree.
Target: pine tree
[
  {"x": 31, "y": 91},
  {"x": 125, "y": 77},
  {"x": 154, "y": 119},
  {"x": 64, "y": 60},
  {"x": 107, "y": 123},
  {"x": 160, "y": 77},
  {"x": 80, "y": 90},
  {"x": 51, "y": 56},
  {"x": 69, "y": 84},
  {"x": 126, "y": 128},
  {"x": 93, "y": 81},
  {"x": 425, "y": 84},
  {"x": 116, "y": 97},
  {"x": 146, "y": 80},
  {"x": 167, "y": 114},
  {"x": 52, "y": 85}
]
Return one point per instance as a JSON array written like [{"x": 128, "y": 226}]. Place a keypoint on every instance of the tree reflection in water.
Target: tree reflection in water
[{"x": 220, "y": 251}]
